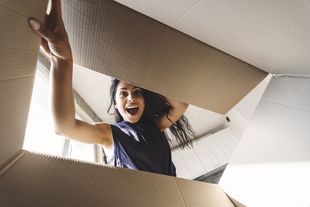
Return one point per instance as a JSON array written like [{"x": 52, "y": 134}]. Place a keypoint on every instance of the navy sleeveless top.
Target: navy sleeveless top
[{"x": 141, "y": 146}]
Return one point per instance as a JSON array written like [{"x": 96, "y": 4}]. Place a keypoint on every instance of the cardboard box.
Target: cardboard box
[
  {"x": 28, "y": 179},
  {"x": 36, "y": 180},
  {"x": 129, "y": 46}
]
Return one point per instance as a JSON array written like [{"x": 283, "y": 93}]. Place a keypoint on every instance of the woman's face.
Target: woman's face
[{"x": 129, "y": 102}]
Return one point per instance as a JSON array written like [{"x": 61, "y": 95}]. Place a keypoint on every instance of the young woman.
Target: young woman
[{"x": 137, "y": 139}]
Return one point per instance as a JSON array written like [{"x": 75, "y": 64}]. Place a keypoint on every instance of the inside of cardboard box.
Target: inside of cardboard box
[
  {"x": 212, "y": 156},
  {"x": 182, "y": 41},
  {"x": 269, "y": 167}
]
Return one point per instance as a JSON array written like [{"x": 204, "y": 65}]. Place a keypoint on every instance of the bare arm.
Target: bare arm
[
  {"x": 55, "y": 42},
  {"x": 63, "y": 110},
  {"x": 174, "y": 114}
]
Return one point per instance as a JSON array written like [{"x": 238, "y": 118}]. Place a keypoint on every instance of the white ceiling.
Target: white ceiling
[{"x": 272, "y": 35}]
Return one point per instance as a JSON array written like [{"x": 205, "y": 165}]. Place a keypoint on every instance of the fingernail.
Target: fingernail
[{"x": 34, "y": 24}]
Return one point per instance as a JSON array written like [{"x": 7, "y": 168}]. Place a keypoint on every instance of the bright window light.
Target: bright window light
[
  {"x": 40, "y": 136},
  {"x": 284, "y": 184}
]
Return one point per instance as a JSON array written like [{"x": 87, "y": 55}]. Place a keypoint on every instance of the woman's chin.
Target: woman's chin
[{"x": 133, "y": 118}]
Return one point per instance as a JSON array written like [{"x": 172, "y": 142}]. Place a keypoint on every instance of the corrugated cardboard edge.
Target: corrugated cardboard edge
[
  {"x": 159, "y": 185},
  {"x": 6, "y": 166},
  {"x": 16, "y": 176}
]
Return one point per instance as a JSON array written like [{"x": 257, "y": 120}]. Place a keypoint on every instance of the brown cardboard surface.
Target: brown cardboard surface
[
  {"x": 18, "y": 53},
  {"x": 49, "y": 181},
  {"x": 15, "y": 98},
  {"x": 115, "y": 40},
  {"x": 201, "y": 194}
]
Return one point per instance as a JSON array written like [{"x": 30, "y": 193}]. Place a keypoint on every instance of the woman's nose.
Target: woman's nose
[{"x": 131, "y": 97}]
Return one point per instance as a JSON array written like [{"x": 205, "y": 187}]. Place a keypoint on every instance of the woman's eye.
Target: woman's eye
[
  {"x": 137, "y": 93},
  {"x": 123, "y": 93}
]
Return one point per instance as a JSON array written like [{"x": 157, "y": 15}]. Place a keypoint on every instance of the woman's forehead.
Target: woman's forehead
[{"x": 125, "y": 85}]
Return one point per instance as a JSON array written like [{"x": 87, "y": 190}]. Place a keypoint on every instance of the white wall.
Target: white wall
[
  {"x": 211, "y": 152},
  {"x": 241, "y": 114},
  {"x": 207, "y": 154},
  {"x": 271, "y": 165}
]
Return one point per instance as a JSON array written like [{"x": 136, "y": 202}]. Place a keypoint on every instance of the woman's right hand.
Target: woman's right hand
[
  {"x": 54, "y": 38},
  {"x": 55, "y": 43}
]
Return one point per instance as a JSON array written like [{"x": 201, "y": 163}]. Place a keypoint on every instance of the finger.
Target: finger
[
  {"x": 34, "y": 24},
  {"x": 54, "y": 19},
  {"x": 37, "y": 27},
  {"x": 56, "y": 9}
]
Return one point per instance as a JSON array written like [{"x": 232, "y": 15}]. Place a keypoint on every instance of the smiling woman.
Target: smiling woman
[
  {"x": 129, "y": 102},
  {"x": 167, "y": 113},
  {"x": 141, "y": 117}
]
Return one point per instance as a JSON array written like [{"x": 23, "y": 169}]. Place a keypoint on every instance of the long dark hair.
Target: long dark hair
[{"x": 181, "y": 129}]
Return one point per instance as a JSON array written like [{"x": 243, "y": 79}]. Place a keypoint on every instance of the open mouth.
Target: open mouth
[{"x": 132, "y": 110}]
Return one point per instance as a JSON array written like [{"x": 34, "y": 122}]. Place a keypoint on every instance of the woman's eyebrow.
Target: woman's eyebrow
[{"x": 135, "y": 87}]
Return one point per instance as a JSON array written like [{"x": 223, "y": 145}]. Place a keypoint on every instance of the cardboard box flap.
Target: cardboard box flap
[
  {"x": 49, "y": 181},
  {"x": 18, "y": 53},
  {"x": 202, "y": 194},
  {"x": 115, "y": 40}
]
